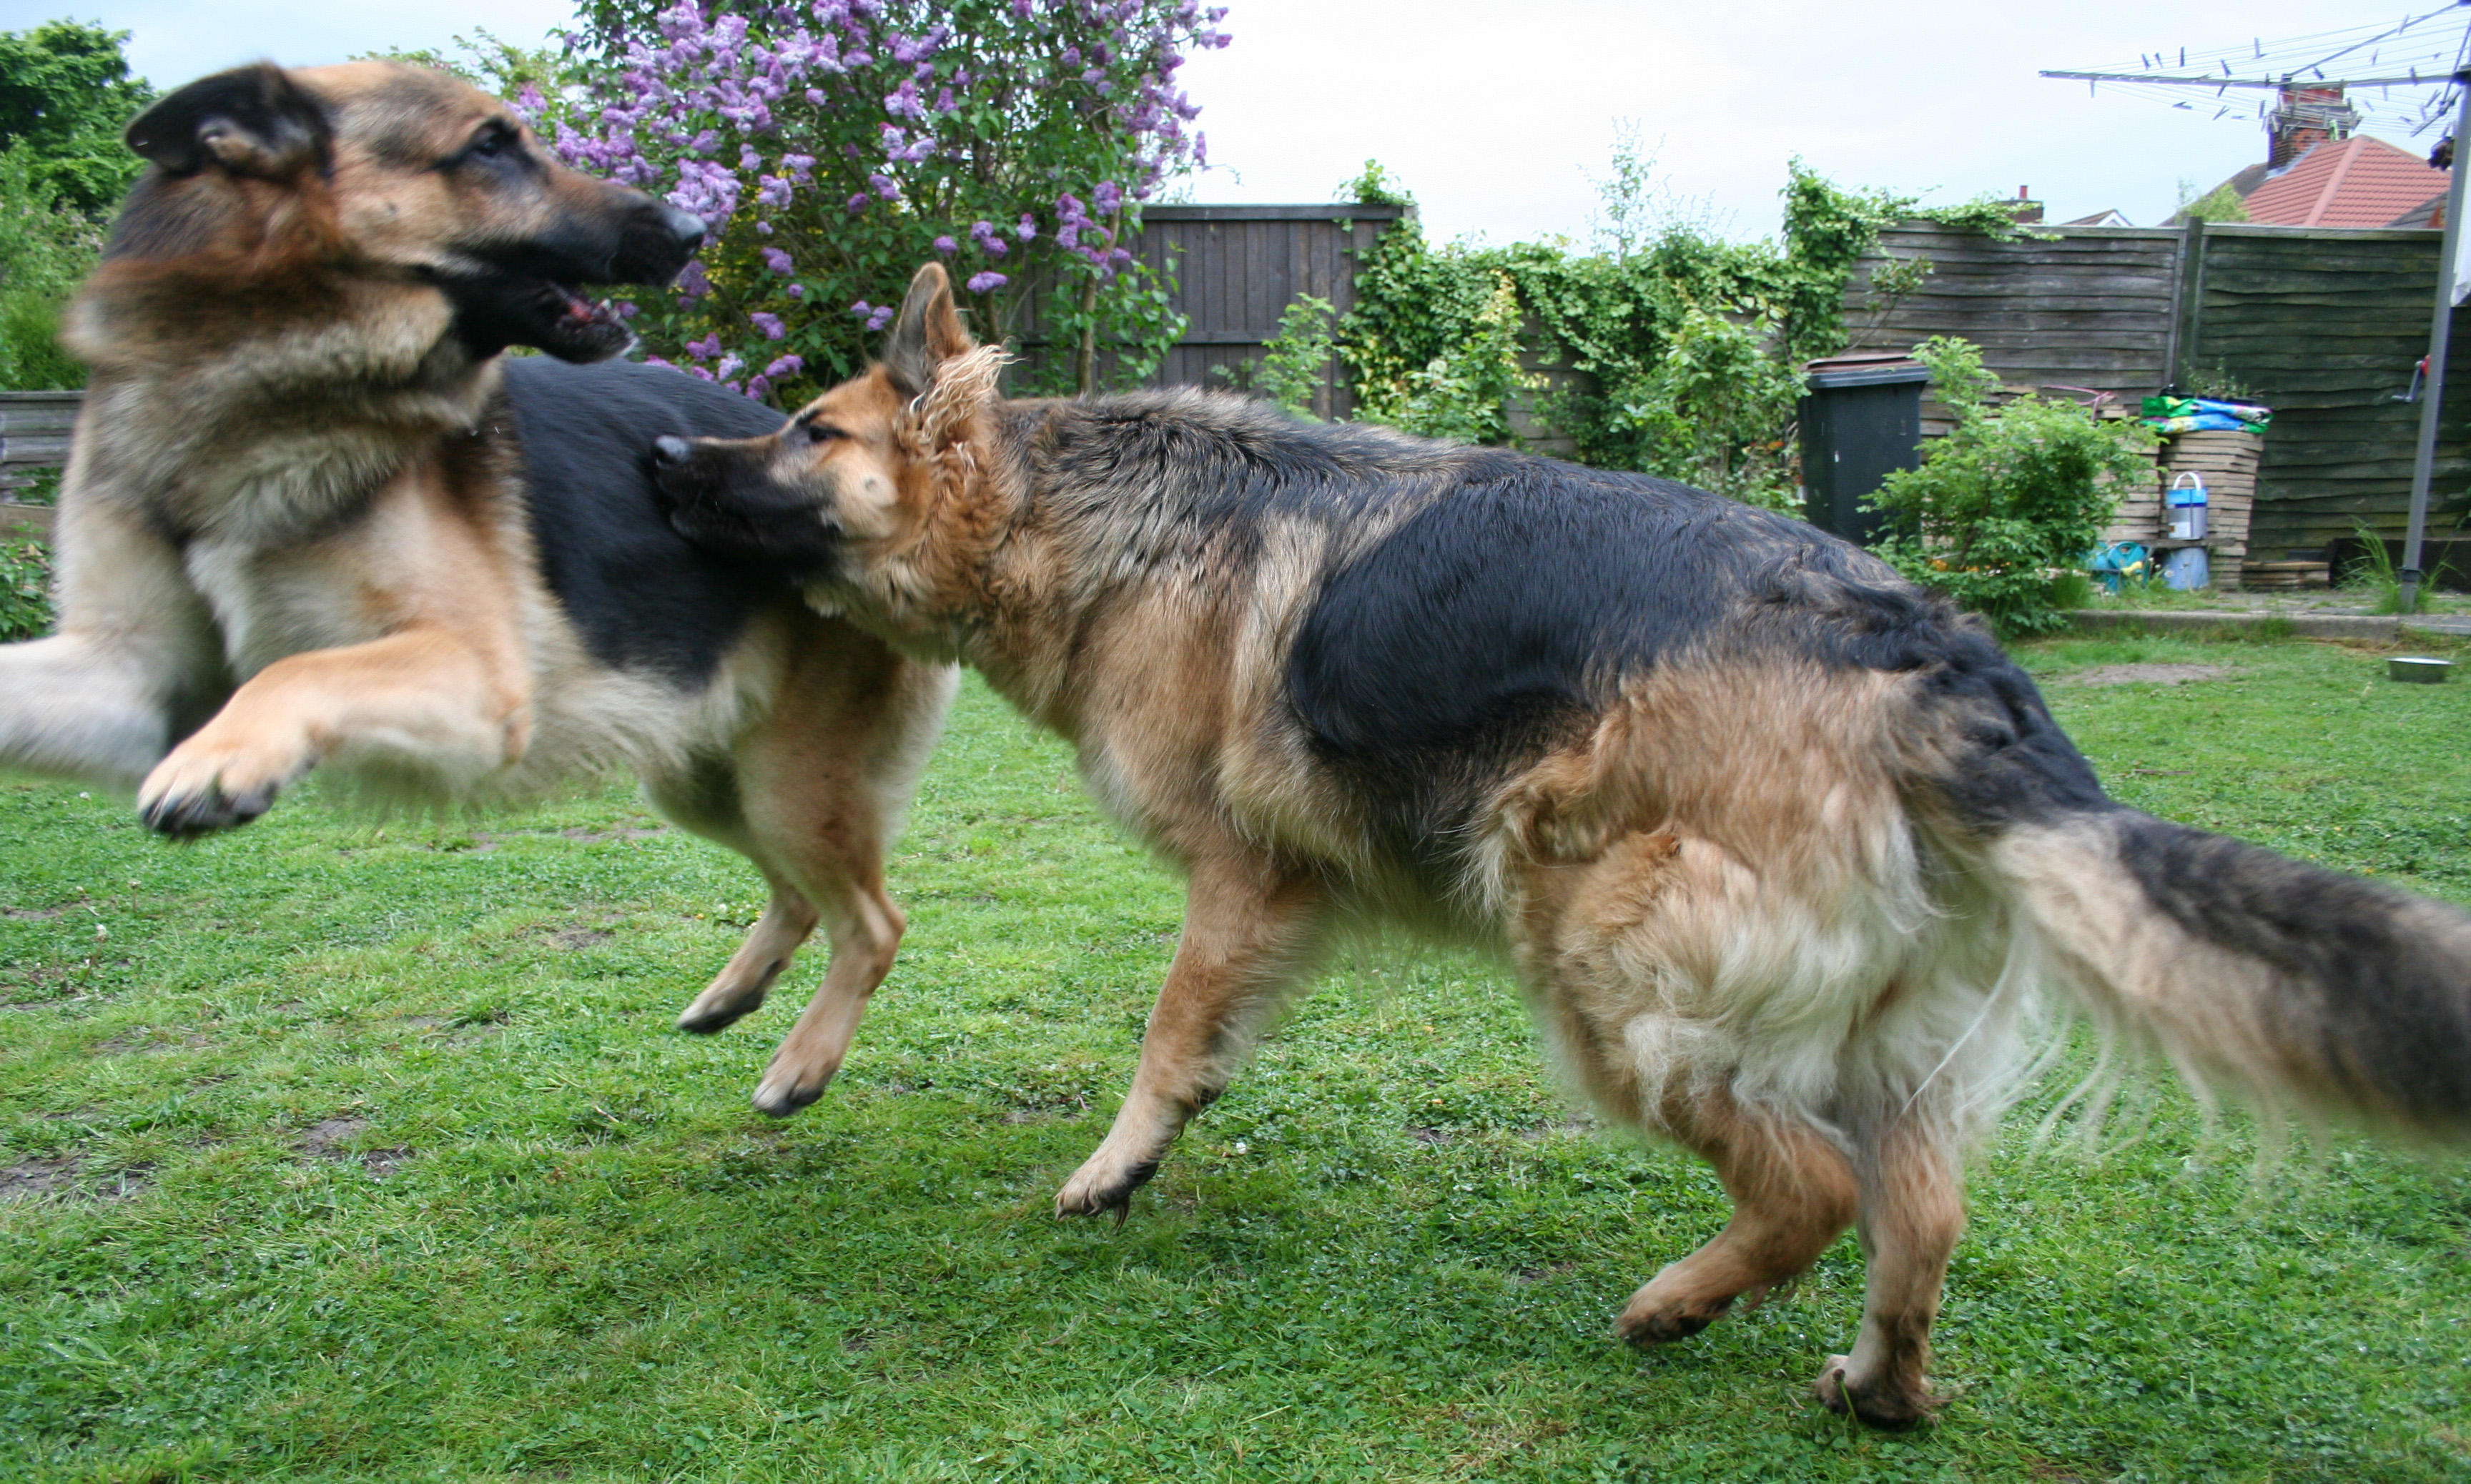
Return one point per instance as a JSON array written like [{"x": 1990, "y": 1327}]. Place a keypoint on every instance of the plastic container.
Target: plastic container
[
  {"x": 2186, "y": 569},
  {"x": 2187, "y": 502},
  {"x": 2120, "y": 561}
]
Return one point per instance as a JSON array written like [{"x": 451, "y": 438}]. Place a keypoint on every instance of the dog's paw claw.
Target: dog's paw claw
[
  {"x": 779, "y": 1097},
  {"x": 709, "y": 1022},
  {"x": 1089, "y": 1194},
  {"x": 188, "y": 815},
  {"x": 1889, "y": 1412},
  {"x": 1662, "y": 1329}
]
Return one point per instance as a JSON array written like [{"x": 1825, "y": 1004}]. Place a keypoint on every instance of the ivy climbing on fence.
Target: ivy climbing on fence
[{"x": 1687, "y": 346}]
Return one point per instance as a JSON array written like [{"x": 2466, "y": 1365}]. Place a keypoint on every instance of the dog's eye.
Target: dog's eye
[
  {"x": 820, "y": 432},
  {"x": 495, "y": 143}
]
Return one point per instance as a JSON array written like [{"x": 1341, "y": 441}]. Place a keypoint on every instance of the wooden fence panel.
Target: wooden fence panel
[
  {"x": 2325, "y": 327},
  {"x": 2322, "y": 325},
  {"x": 1235, "y": 271},
  {"x": 2089, "y": 308},
  {"x": 33, "y": 433}
]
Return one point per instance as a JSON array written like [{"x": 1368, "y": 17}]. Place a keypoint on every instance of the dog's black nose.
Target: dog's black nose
[
  {"x": 683, "y": 225},
  {"x": 669, "y": 451}
]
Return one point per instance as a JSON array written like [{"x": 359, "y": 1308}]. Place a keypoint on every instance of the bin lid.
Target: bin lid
[{"x": 1876, "y": 368}]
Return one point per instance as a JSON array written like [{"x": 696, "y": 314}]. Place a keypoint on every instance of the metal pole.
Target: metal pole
[{"x": 2440, "y": 332}]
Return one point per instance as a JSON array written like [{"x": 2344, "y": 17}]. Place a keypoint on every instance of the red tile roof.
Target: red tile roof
[{"x": 2360, "y": 181}]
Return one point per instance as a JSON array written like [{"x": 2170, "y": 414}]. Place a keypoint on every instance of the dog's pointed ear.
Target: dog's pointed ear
[
  {"x": 251, "y": 121},
  {"x": 927, "y": 332}
]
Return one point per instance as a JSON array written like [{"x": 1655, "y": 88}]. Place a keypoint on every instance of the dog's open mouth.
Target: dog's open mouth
[{"x": 499, "y": 310}]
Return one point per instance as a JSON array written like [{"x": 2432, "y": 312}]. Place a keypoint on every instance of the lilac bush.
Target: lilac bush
[{"x": 833, "y": 145}]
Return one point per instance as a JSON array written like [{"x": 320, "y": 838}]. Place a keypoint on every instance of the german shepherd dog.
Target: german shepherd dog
[
  {"x": 311, "y": 517},
  {"x": 1782, "y": 848}
]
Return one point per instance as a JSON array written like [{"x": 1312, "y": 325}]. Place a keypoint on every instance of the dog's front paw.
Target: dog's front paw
[
  {"x": 1655, "y": 1320},
  {"x": 203, "y": 786},
  {"x": 1105, "y": 1183}
]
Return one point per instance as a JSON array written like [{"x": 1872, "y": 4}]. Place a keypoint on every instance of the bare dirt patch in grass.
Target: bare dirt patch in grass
[
  {"x": 57, "y": 1179},
  {"x": 2147, "y": 675},
  {"x": 30, "y": 1180},
  {"x": 326, "y": 1139}
]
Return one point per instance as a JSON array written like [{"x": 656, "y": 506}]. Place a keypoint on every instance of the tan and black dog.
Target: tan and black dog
[
  {"x": 1785, "y": 851},
  {"x": 313, "y": 517}
]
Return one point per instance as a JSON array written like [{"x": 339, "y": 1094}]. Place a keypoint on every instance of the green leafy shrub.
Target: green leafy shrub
[
  {"x": 1462, "y": 393},
  {"x": 2004, "y": 508},
  {"x": 1686, "y": 348},
  {"x": 25, "y": 590},
  {"x": 46, "y": 250},
  {"x": 1295, "y": 363},
  {"x": 1715, "y": 409}
]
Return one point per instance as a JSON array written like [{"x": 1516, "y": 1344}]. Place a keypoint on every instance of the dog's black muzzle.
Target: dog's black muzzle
[{"x": 722, "y": 496}]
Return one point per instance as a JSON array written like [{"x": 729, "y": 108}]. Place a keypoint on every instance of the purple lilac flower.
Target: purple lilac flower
[
  {"x": 778, "y": 261},
  {"x": 786, "y": 365},
  {"x": 729, "y": 366},
  {"x": 986, "y": 281},
  {"x": 797, "y": 290},
  {"x": 698, "y": 81},
  {"x": 705, "y": 348},
  {"x": 767, "y": 323}
]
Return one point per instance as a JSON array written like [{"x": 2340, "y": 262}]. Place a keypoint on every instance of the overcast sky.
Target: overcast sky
[{"x": 1496, "y": 115}]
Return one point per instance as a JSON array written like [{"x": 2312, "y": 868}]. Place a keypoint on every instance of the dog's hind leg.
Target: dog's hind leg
[
  {"x": 704, "y": 797},
  {"x": 819, "y": 786},
  {"x": 739, "y": 989},
  {"x": 821, "y": 854},
  {"x": 1913, "y": 1211},
  {"x": 1251, "y": 931},
  {"x": 1793, "y": 1194}
]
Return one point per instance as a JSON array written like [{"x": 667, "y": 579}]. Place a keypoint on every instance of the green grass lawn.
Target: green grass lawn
[{"x": 341, "y": 1151}]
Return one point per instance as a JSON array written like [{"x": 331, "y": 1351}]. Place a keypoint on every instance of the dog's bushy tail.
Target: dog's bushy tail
[{"x": 2300, "y": 987}]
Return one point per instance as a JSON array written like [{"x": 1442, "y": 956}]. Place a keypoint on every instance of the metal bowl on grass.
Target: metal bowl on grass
[{"x": 2417, "y": 668}]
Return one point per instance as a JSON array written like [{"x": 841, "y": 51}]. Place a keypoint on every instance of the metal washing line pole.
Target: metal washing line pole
[{"x": 2440, "y": 331}]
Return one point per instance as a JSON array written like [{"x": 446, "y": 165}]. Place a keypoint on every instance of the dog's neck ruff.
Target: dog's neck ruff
[{"x": 281, "y": 427}]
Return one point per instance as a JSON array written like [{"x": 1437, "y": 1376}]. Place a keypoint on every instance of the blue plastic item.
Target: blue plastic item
[
  {"x": 2120, "y": 561},
  {"x": 2186, "y": 570}
]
